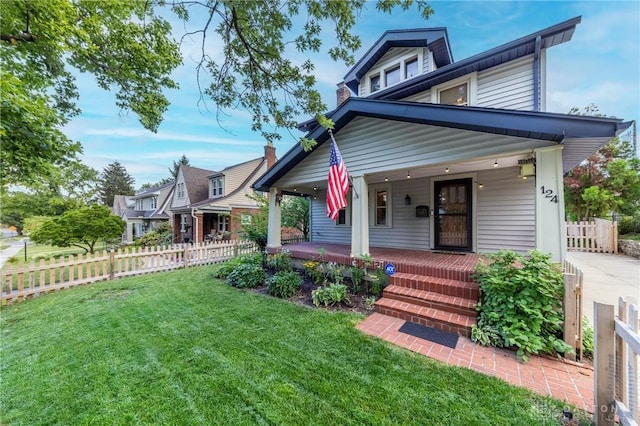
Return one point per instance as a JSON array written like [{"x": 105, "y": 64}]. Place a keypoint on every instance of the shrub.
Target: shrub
[
  {"x": 380, "y": 281},
  {"x": 223, "y": 270},
  {"x": 369, "y": 303},
  {"x": 357, "y": 278},
  {"x": 246, "y": 275},
  {"x": 334, "y": 273},
  {"x": 330, "y": 295},
  {"x": 521, "y": 303},
  {"x": 281, "y": 261},
  {"x": 629, "y": 225},
  {"x": 587, "y": 338},
  {"x": 284, "y": 284}
]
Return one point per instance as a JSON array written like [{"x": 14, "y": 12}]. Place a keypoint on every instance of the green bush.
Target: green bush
[
  {"x": 330, "y": 295},
  {"x": 521, "y": 303},
  {"x": 280, "y": 261},
  {"x": 223, "y": 270},
  {"x": 629, "y": 225},
  {"x": 246, "y": 275},
  {"x": 284, "y": 284},
  {"x": 380, "y": 281},
  {"x": 587, "y": 338},
  {"x": 357, "y": 278}
]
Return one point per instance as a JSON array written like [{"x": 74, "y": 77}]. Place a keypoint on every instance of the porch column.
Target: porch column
[
  {"x": 198, "y": 234},
  {"x": 359, "y": 216},
  {"x": 550, "y": 222},
  {"x": 275, "y": 220}
]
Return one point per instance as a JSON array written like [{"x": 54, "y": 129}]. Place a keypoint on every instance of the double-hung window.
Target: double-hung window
[
  {"x": 381, "y": 206},
  {"x": 217, "y": 187}
]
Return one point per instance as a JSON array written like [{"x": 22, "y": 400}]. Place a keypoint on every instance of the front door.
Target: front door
[{"x": 452, "y": 214}]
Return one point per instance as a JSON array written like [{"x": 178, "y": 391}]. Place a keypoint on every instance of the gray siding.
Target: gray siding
[
  {"x": 372, "y": 145},
  {"x": 506, "y": 211},
  {"x": 406, "y": 231},
  {"x": 508, "y": 86},
  {"x": 424, "y": 97}
]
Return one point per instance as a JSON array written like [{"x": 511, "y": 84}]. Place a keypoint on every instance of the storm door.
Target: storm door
[{"x": 452, "y": 214}]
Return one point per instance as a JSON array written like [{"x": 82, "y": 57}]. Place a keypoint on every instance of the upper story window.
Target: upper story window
[
  {"x": 181, "y": 192},
  {"x": 456, "y": 95},
  {"x": 411, "y": 68},
  {"x": 154, "y": 203},
  {"x": 139, "y": 205},
  {"x": 374, "y": 85},
  {"x": 461, "y": 91},
  {"x": 392, "y": 76},
  {"x": 217, "y": 187}
]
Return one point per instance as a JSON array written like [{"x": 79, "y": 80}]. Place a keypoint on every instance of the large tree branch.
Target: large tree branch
[{"x": 13, "y": 38}]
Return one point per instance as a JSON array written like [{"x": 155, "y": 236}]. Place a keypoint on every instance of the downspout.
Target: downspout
[{"x": 536, "y": 74}]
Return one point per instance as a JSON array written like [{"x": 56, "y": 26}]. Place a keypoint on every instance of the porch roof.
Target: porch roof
[{"x": 581, "y": 135}]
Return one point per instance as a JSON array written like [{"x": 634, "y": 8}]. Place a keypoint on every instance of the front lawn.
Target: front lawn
[{"x": 184, "y": 348}]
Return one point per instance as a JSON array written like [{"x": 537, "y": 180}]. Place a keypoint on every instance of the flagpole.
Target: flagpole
[{"x": 349, "y": 176}]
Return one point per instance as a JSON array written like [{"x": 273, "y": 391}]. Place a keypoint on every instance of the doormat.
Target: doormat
[{"x": 431, "y": 334}]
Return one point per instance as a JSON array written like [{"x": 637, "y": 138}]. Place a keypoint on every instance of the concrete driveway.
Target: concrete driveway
[{"x": 607, "y": 277}]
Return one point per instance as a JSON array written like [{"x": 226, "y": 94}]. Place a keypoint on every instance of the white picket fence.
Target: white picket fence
[
  {"x": 598, "y": 236},
  {"x": 50, "y": 275}
]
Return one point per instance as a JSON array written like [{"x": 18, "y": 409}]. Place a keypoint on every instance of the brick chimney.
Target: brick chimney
[
  {"x": 343, "y": 93},
  {"x": 270, "y": 154}
]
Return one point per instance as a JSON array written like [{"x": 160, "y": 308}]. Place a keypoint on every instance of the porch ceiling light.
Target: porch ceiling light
[
  {"x": 495, "y": 163},
  {"x": 408, "y": 175},
  {"x": 446, "y": 170}
]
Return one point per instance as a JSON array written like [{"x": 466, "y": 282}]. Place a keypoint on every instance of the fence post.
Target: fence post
[
  {"x": 186, "y": 255},
  {"x": 570, "y": 309},
  {"x": 112, "y": 264},
  {"x": 236, "y": 248},
  {"x": 604, "y": 364}
]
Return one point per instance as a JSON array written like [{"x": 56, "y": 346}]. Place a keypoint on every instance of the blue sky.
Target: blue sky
[{"x": 600, "y": 65}]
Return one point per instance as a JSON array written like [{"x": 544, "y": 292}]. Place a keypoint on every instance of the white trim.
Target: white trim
[
  {"x": 381, "y": 69},
  {"x": 373, "y": 189},
  {"x": 472, "y": 87},
  {"x": 474, "y": 206}
]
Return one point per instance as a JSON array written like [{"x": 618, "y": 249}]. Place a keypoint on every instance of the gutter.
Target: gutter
[{"x": 536, "y": 74}]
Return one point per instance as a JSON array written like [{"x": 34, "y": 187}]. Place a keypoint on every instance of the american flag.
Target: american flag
[{"x": 338, "y": 182}]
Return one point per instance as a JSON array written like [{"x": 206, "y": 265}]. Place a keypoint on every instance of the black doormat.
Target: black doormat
[{"x": 430, "y": 334}]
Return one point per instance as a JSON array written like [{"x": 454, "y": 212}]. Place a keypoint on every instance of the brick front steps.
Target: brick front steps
[{"x": 444, "y": 304}]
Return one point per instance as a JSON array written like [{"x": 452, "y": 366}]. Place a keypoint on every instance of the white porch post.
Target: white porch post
[
  {"x": 275, "y": 215},
  {"x": 359, "y": 216},
  {"x": 550, "y": 223}
]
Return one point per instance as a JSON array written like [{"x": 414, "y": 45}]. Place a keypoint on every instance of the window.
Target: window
[
  {"x": 217, "y": 187},
  {"x": 181, "y": 190},
  {"x": 223, "y": 223},
  {"x": 411, "y": 68},
  {"x": 183, "y": 223},
  {"x": 392, "y": 76},
  {"x": 138, "y": 204},
  {"x": 375, "y": 83},
  {"x": 381, "y": 208},
  {"x": 456, "y": 95},
  {"x": 154, "y": 203},
  {"x": 380, "y": 205}
]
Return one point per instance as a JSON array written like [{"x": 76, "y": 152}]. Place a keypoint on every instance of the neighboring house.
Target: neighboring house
[
  {"x": 444, "y": 155},
  {"x": 122, "y": 203},
  {"x": 146, "y": 211},
  {"x": 209, "y": 205}
]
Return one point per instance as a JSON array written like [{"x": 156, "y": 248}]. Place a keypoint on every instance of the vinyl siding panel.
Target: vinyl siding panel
[
  {"x": 424, "y": 97},
  {"x": 371, "y": 145},
  {"x": 406, "y": 230},
  {"x": 508, "y": 86},
  {"x": 506, "y": 211}
]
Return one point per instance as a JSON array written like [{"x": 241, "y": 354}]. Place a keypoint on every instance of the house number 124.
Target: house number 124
[{"x": 548, "y": 193}]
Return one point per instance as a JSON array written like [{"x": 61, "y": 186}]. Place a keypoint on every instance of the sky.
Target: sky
[{"x": 599, "y": 65}]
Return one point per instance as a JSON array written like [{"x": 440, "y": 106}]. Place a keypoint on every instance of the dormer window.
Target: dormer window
[
  {"x": 411, "y": 68},
  {"x": 217, "y": 187},
  {"x": 154, "y": 203},
  {"x": 392, "y": 76},
  {"x": 375, "y": 83}
]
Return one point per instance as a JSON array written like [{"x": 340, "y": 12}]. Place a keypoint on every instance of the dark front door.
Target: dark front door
[{"x": 452, "y": 214}]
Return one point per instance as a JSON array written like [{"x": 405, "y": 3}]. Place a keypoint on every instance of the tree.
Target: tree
[
  {"x": 83, "y": 227},
  {"x": 125, "y": 45},
  {"x": 176, "y": 166},
  {"x": 295, "y": 214},
  {"x": 608, "y": 181},
  {"x": 128, "y": 47},
  {"x": 257, "y": 228},
  {"x": 114, "y": 180}
]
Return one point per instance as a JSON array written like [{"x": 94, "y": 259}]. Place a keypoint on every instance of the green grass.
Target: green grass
[
  {"x": 184, "y": 348},
  {"x": 635, "y": 237},
  {"x": 43, "y": 251}
]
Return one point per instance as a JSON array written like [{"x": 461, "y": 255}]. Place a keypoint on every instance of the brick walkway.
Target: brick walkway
[{"x": 564, "y": 380}]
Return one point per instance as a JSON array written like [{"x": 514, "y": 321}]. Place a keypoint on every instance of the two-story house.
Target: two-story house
[
  {"x": 443, "y": 155},
  {"x": 209, "y": 205},
  {"x": 146, "y": 211}
]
